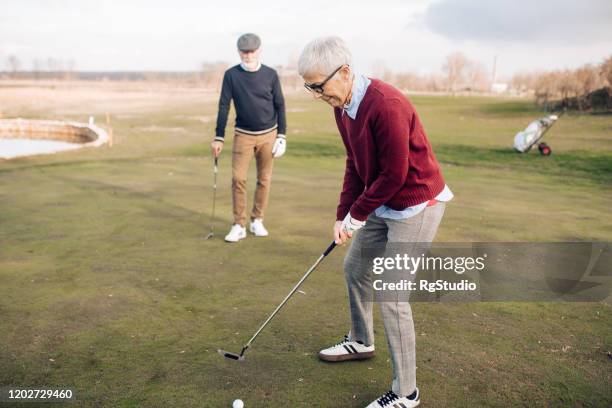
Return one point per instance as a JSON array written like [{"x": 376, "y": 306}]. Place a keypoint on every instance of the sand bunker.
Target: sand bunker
[{"x": 26, "y": 137}]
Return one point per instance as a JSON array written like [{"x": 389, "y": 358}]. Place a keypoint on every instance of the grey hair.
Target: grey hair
[{"x": 323, "y": 55}]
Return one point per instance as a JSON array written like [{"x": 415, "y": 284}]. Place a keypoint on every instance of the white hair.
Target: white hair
[{"x": 323, "y": 55}]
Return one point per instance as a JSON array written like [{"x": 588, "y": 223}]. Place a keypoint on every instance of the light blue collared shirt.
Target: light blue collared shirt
[{"x": 360, "y": 86}]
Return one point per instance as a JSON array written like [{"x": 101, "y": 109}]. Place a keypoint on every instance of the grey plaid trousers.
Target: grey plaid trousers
[{"x": 397, "y": 315}]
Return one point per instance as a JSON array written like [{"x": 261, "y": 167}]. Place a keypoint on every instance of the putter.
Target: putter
[
  {"x": 240, "y": 357},
  {"x": 212, "y": 215}
]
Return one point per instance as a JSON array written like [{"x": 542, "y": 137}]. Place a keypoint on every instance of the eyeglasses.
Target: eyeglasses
[{"x": 317, "y": 87}]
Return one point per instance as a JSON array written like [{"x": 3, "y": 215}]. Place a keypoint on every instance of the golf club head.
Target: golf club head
[
  {"x": 231, "y": 356},
  {"x": 210, "y": 235}
]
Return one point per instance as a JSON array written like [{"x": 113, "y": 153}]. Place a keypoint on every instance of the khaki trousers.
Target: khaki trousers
[{"x": 245, "y": 147}]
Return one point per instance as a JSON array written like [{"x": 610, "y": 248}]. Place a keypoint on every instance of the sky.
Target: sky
[{"x": 414, "y": 35}]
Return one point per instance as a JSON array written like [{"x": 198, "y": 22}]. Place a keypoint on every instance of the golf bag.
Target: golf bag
[{"x": 526, "y": 139}]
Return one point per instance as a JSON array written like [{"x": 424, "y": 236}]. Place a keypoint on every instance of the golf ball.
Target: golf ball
[{"x": 238, "y": 404}]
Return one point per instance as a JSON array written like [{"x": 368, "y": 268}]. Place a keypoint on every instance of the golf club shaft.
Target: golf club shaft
[
  {"x": 279, "y": 307},
  {"x": 212, "y": 215}
]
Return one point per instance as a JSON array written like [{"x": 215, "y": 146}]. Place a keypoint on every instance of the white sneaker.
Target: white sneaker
[
  {"x": 258, "y": 228},
  {"x": 347, "y": 350},
  {"x": 392, "y": 400},
  {"x": 237, "y": 233}
]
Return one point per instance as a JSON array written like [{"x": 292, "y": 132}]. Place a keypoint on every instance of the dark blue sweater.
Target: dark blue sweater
[{"x": 258, "y": 100}]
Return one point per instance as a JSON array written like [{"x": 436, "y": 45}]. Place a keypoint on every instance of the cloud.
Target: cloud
[
  {"x": 180, "y": 35},
  {"x": 543, "y": 21}
]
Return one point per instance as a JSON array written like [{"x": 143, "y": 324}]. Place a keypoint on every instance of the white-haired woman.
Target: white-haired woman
[{"x": 393, "y": 192}]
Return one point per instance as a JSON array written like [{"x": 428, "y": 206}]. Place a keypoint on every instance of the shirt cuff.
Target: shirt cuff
[{"x": 357, "y": 213}]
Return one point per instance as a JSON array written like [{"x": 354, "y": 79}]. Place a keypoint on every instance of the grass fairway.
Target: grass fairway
[{"x": 107, "y": 285}]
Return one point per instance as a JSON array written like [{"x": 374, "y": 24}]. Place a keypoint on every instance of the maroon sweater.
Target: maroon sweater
[{"x": 389, "y": 159}]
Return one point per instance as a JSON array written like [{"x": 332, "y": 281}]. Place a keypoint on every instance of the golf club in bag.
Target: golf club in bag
[
  {"x": 240, "y": 357},
  {"x": 212, "y": 215}
]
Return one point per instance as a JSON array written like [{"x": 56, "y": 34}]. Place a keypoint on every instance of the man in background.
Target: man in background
[{"x": 259, "y": 132}]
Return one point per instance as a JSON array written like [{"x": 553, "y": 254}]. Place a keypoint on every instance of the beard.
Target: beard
[{"x": 251, "y": 65}]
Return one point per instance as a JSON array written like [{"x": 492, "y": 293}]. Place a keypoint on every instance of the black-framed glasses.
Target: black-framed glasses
[{"x": 317, "y": 87}]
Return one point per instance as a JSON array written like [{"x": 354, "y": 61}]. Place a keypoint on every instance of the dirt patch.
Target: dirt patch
[
  {"x": 201, "y": 119},
  {"x": 162, "y": 129},
  {"x": 91, "y": 97}
]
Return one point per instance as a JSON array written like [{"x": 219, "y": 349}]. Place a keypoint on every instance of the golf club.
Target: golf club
[
  {"x": 240, "y": 357},
  {"x": 212, "y": 215}
]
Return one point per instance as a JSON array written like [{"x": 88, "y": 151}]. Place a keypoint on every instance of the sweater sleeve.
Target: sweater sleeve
[
  {"x": 391, "y": 132},
  {"x": 351, "y": 189},
  {"x": 279, "y": 106},
  {"x": 224, "y": 106}
]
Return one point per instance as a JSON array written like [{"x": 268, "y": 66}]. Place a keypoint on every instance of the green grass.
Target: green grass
[
  {"x": 104, "y": 269},
  {"x": 577, "y": 166}
]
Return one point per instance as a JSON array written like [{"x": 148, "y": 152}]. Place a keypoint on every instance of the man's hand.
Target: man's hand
[
  {"x": 216, "y": 147},
  {"x": 343, "y": 230},
  {"x": 340, "y": 235},
  {"x": 280, "y": 145}
]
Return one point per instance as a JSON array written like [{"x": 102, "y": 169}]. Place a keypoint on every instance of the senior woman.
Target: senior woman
[{"x": 393, "y": 192}]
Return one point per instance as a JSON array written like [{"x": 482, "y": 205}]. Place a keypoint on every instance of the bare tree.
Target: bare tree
[
  {"x": 381, "y": 70},
  {"x": 546, "y": 87},
  {"x": 37, "y": 67},
  {"x": 454, "y": 68},
  {"x": 524, "y": 82},
  {"x": 288, "y": 74},
  {"x": 14, "y": 65},
  {"x": 587, "y": 80},
  {"x": 152, "y": 76},
  {"x": 477, "y": 76},
  {"x": 435, "y": 83},
  {"x": 567, "y": 86},
  {"x": 69, "y": 69},
  {"x": 409, "y": 81},
  {"x": 212, "y": 74},
  {"x": 606, "y": 70},
  {"x": 52, "y": 66}
]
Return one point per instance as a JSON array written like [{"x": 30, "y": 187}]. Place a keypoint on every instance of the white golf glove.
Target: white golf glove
[
  {"x": 280, "y": 145},
  {"x": 350, "y": 224}
]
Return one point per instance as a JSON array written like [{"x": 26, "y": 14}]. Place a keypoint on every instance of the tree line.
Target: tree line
[{"x": 585, "y": 88}]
